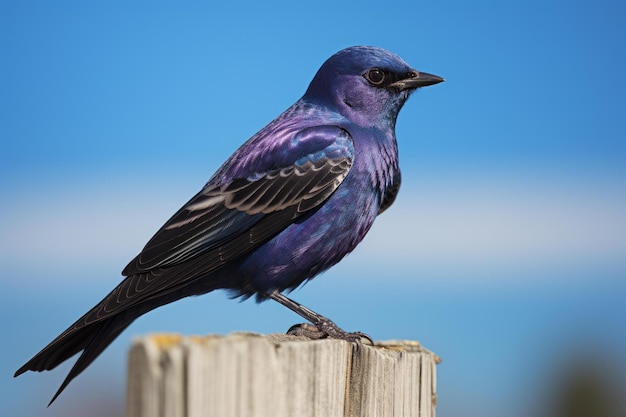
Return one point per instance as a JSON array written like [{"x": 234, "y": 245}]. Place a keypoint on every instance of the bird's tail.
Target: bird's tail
[{"x": 92, "y": 340}]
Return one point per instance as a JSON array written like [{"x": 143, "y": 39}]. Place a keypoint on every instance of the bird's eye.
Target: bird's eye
[{"x": 375, "y": 76}]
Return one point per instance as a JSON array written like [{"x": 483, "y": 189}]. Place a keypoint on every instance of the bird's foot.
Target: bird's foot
[
  {"x": 321, "y": 328},
  {"x": 328, "y": 329}
]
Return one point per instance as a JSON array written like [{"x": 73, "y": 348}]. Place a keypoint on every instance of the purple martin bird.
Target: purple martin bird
[{"x": 288, "y": 204}]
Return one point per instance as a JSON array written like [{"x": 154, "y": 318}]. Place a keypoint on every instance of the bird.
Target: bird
[{"x": 291, "y": 202}]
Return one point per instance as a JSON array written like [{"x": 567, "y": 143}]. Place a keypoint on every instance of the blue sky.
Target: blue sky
[{"x": 505, "y": 247}]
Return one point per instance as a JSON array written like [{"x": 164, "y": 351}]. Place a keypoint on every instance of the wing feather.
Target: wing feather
[{"x": 219, "y": 214}]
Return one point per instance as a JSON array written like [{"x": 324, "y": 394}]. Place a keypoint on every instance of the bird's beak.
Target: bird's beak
[{"x": 416, "y": 79}]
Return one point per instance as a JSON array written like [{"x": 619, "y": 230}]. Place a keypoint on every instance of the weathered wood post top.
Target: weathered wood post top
[{"x": 250, "y": 375}]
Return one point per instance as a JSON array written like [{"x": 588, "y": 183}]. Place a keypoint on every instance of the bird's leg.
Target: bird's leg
[{"x": 322, "y": 326}]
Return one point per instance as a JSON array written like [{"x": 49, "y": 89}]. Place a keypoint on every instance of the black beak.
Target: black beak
[{"x": 416, "y": 79}]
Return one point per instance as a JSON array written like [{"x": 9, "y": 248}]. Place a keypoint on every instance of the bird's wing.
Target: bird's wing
[
  {"x": 218, "y": 214},
  {"x": 248, "y": 202},
  {"x": 225, "y": 221}
]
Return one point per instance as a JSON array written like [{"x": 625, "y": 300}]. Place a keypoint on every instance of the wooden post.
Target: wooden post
[{"x": 243, "y": 375}]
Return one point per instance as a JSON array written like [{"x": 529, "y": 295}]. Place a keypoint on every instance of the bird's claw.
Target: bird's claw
[{"x": 328, "y": 329}]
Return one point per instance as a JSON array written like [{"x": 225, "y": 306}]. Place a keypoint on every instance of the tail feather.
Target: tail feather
[
  {"x": 92, "y": 337},
  {"x": 57, "y": 351},
  {"x": 99, "y": 339},
  {"x": 91, "y": 340}
]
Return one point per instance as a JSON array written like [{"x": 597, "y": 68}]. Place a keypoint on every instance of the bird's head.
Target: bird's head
[{"x": 367, "y": 85}]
